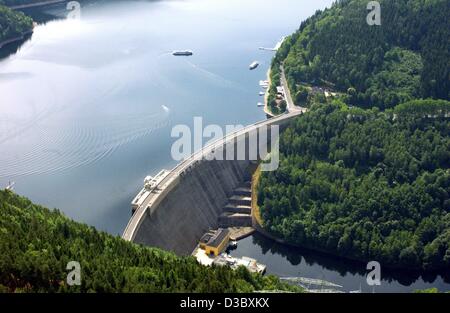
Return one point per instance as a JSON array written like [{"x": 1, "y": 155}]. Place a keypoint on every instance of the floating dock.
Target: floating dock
[
  {"x": 264, "y": 83},
  {"x": 277, "y": 46},
  {"x": 183, "y": 53},
  {"x": 312, "y": 285}
]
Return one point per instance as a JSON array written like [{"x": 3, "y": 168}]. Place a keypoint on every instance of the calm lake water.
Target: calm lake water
[
  {"x": 287, "y": 261},
  {"x": 87, "y": 106}
]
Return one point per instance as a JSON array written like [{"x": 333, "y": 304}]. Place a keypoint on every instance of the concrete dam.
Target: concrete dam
[{"x": 189, "y": 199}]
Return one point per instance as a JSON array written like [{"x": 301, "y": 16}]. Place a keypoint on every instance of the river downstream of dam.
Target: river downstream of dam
[{"x": 87, "y": 107}]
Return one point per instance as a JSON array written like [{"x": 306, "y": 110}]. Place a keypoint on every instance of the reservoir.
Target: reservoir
[{"x": 87, "y": 107}]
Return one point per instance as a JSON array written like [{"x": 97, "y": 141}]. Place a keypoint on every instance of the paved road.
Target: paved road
[{"x": 291, "y": 107}]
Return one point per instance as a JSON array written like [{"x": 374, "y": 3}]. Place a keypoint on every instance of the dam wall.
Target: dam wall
[
  {"x": 189, "y": 201},
  {"x": 193, "y": 206}
]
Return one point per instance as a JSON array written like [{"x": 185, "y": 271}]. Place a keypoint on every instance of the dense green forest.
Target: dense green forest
[
  {"x": 365, "y": 184},
  {"x": 36, "y": 244},
  {"x": 404, "y": 58},
  {"x": 13, "y": 24}
]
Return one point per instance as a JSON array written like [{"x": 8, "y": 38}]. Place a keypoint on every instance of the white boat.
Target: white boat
[
  {"x": 262, "y": 93},
  {"x": 260, "y": 104},
  {"x": 254, "y": 65},
  {"x": 233, "y": 243},
  {"x": 183, "y": 53}
]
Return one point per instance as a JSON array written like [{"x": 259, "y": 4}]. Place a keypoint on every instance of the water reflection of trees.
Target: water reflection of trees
[
  {"x": 39, "y": 15},
  {"x": 13, "y": 47},
  {"x": 296, "y": 256}
]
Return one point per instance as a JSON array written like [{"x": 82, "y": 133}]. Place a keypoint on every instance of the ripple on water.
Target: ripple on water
[{"x": 36, "y": 148}]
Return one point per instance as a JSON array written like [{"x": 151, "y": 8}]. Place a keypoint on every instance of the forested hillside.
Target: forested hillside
[
  {"x": 13, "y": 24},
  {"x": 407, "y": 57},
  {"x": 365, "y": 184},
  {"x": 36, "y": 244}
]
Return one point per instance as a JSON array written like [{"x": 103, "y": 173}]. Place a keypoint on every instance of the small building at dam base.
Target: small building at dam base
[{"x": 214, "y": 243}]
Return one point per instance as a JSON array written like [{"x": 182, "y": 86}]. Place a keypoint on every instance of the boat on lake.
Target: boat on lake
[
  {"x": 183, "y": 53},
  {"x": 254, "y": 65}
]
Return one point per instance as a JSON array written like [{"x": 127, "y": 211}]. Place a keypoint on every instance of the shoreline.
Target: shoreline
[{"x": 266, "y": 97}]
